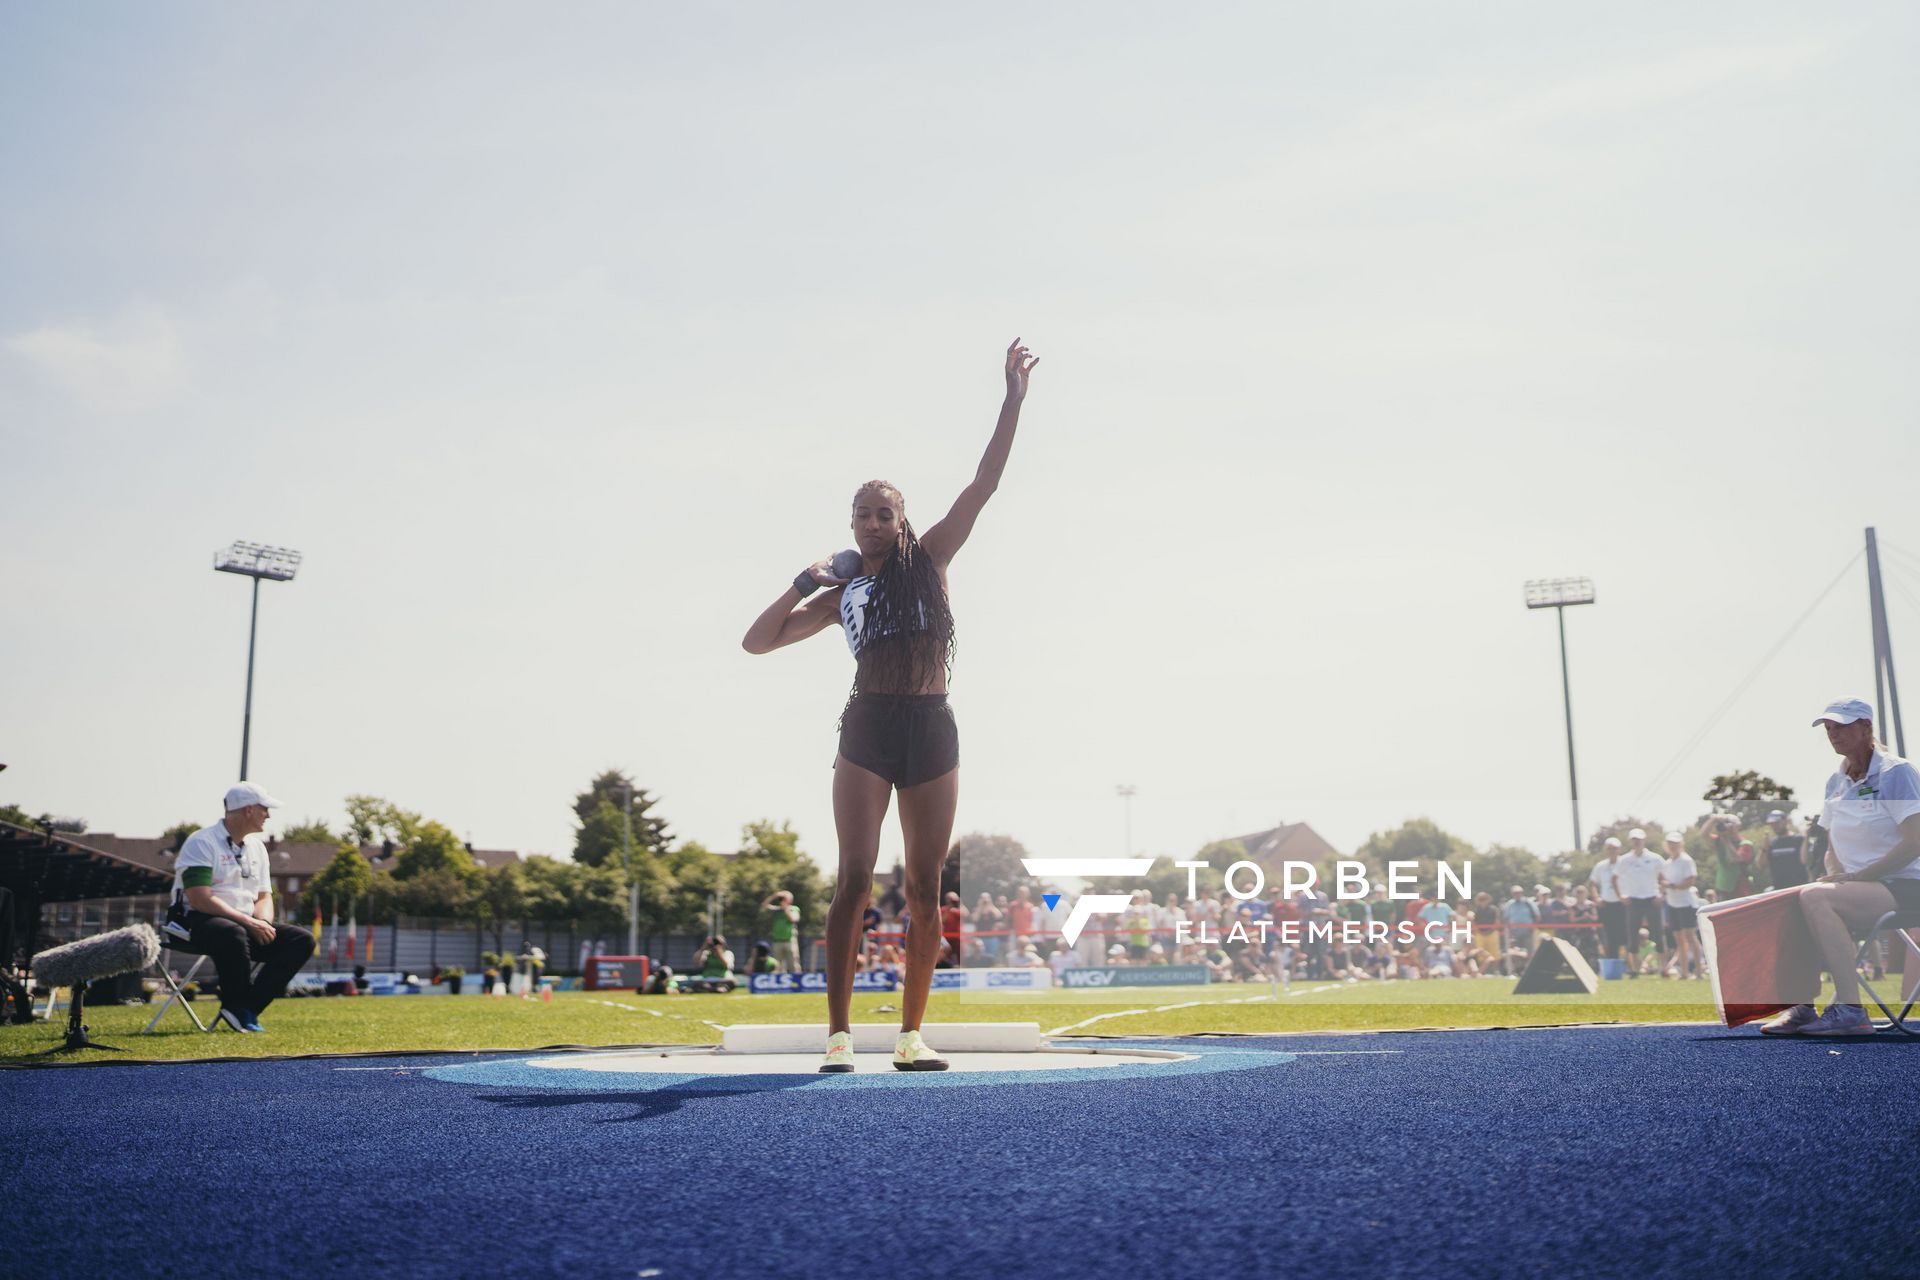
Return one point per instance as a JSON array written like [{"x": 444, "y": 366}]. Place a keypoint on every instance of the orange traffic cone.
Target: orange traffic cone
[{"x": 546, "y": 994}]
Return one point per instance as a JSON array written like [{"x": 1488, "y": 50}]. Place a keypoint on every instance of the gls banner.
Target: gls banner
[{"x": 816, "y": 983}]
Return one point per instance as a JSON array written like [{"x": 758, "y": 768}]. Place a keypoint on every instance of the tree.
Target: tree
[
  {"x": 383, "y": 897},
  {"x": 437, "y": 891},
  {"x": 344, "y": 880},
  {"x": 434, "y": 849},
  {"x": 1418, "y": 840},
  {"x": 500, "y": 897},
  {"x": 1166, "y": 878},
  {"x": 770, "y": 860},
  {"x": 546, "y": 888},
  {"x": 371, "y": 820},
  {"x": 602, "y": 836},
  {"x": 983, "y": 863},
  {"x": 176, "y": 835},
  {"x": 1500, "y": 866},
  {"x": 1748, "y": 796},
  {"x": 556, "y": 890},
  {"x": 309, "y": 831},
  {"x": 694, "y": 873}
]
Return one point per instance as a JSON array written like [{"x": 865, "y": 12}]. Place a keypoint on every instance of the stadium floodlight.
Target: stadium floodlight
[
  {"x": 256, "y": 561},
  {"x": 1127, "y": 791},
  {"x": 1557, "y": 594},
  {"x": 252, "y": 560}
]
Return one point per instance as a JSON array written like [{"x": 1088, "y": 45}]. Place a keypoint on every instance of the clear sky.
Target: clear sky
[{"x": 558, "y": 340}]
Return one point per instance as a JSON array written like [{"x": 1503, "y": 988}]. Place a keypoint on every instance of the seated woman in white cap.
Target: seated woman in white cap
[
  {"x": 223, "y": 902},
  {"x": 1872, "y": 811}
]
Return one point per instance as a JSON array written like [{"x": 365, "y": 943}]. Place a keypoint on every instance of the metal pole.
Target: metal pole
[
  {"x": 246, "y": 720},
  {"x": 1885, "y": 687},
  {"x": 1566, "y": 694},
  {"x": 633, "y": 886}
]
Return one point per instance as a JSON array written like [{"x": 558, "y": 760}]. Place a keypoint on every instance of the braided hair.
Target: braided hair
[{"x": 909, "y": 624}]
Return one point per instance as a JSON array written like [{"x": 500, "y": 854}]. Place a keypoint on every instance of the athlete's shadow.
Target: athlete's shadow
[{"x": 648, "y": 1104}]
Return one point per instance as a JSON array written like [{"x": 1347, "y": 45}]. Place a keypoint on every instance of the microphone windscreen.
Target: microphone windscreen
[{"x": 127, "y": 950}]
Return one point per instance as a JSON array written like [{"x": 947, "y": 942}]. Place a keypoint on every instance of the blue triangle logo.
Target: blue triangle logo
[{"x": 1051, "y": 899}]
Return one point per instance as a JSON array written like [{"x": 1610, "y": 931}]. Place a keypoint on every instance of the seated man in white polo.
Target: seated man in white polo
[{"x": 223, "y": 897}]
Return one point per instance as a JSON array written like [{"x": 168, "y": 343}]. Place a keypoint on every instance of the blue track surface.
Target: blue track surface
[{"x": 1601, "y": 1152}]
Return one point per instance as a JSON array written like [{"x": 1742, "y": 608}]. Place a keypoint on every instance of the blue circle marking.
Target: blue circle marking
[{"x": 519, "y": 1073}]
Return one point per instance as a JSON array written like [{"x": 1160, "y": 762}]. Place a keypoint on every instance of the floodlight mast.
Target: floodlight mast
[
  {"x": 626, "y": 863},
  {"x": 1557, "y": 594},
  {"x": 252, "y": 560}
]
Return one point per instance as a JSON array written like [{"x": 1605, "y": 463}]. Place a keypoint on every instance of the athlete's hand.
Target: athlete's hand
[
  {"x": 1019, "y": 365},
  {"x": 821, "y": 571},
  {"x": 1838, "y": 877},
  {"x": 260, "y": 929}
]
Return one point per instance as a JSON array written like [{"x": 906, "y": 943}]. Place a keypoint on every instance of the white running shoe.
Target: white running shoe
[
  {"x": 1790, "y": 1022},
  {"x": 1840, "y": 1020},
  {"x": 839, "y": 1052},
  {"x": 910, "y": 1053}
]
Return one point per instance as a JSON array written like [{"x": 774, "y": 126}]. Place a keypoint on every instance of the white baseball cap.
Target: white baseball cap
[
  {"x": 1674, "y": 837},
  {"x": 1613, "y": 842},
  {"x": 1845, "y": 711},
  {"x": 1638, "y": 833},
  {"x": 242, "y": 794}
]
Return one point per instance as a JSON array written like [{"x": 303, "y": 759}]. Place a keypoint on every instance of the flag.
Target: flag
[
  {"x": 369, "y": 951},
  {"x": 319, "y": 935},
  {"x": 1760, "y": 955},
  {"x": 333, "y": 952},
  {"x": 351, "y": 929}
]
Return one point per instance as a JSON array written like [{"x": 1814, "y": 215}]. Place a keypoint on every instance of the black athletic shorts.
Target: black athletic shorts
[
  {"x": 1683, "y": 917},
  {"x": 906, "y": 738},
  {"x": 1906, "y": 893}
]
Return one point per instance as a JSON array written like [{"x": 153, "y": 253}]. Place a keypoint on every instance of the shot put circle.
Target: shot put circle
[{"x": 697, "y": 1069}]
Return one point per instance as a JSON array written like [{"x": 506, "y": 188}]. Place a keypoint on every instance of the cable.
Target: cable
[
  {"x": 1913, "y": 561},
  {"x": 1727, "y": 704}
]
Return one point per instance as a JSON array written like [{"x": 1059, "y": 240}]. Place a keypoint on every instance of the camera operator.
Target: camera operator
[
  {"x": 1732, "y": 856},
  {"x": 713, "y": 960}
]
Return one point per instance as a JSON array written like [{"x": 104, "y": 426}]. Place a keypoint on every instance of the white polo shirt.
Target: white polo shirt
[
  {"x": 1864, "y": 817},
  {"x": 1680, "y": 867},
  {"x": 1602, "y": 878},
  {"x": 240, "y": 870},
  {"x": 1638, "y": 874}
]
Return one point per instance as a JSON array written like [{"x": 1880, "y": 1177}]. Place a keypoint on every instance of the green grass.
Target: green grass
[{"x": 401, "y": 1023}]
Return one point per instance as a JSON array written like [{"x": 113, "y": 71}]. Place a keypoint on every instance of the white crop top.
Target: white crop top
[{"x": 856, "y": 600}]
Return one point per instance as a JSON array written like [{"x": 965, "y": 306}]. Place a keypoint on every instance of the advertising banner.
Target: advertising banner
[
  {"x": 815, "y": 983},
  {"x": 1160, "y": 975}
]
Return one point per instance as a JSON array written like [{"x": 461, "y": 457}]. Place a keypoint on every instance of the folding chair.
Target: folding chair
[
  {"x": 169, "y": 945},
  {"x": 1899, "y": 922}
]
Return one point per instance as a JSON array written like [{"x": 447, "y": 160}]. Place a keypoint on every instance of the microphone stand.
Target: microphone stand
[{"x": 76, "y": 1029}]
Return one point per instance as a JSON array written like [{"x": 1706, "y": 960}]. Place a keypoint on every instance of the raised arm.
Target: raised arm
[{"x": 946, "y": 538}]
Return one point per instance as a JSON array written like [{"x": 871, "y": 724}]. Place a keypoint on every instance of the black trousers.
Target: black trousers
[{"x": 234, "y": 952}]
